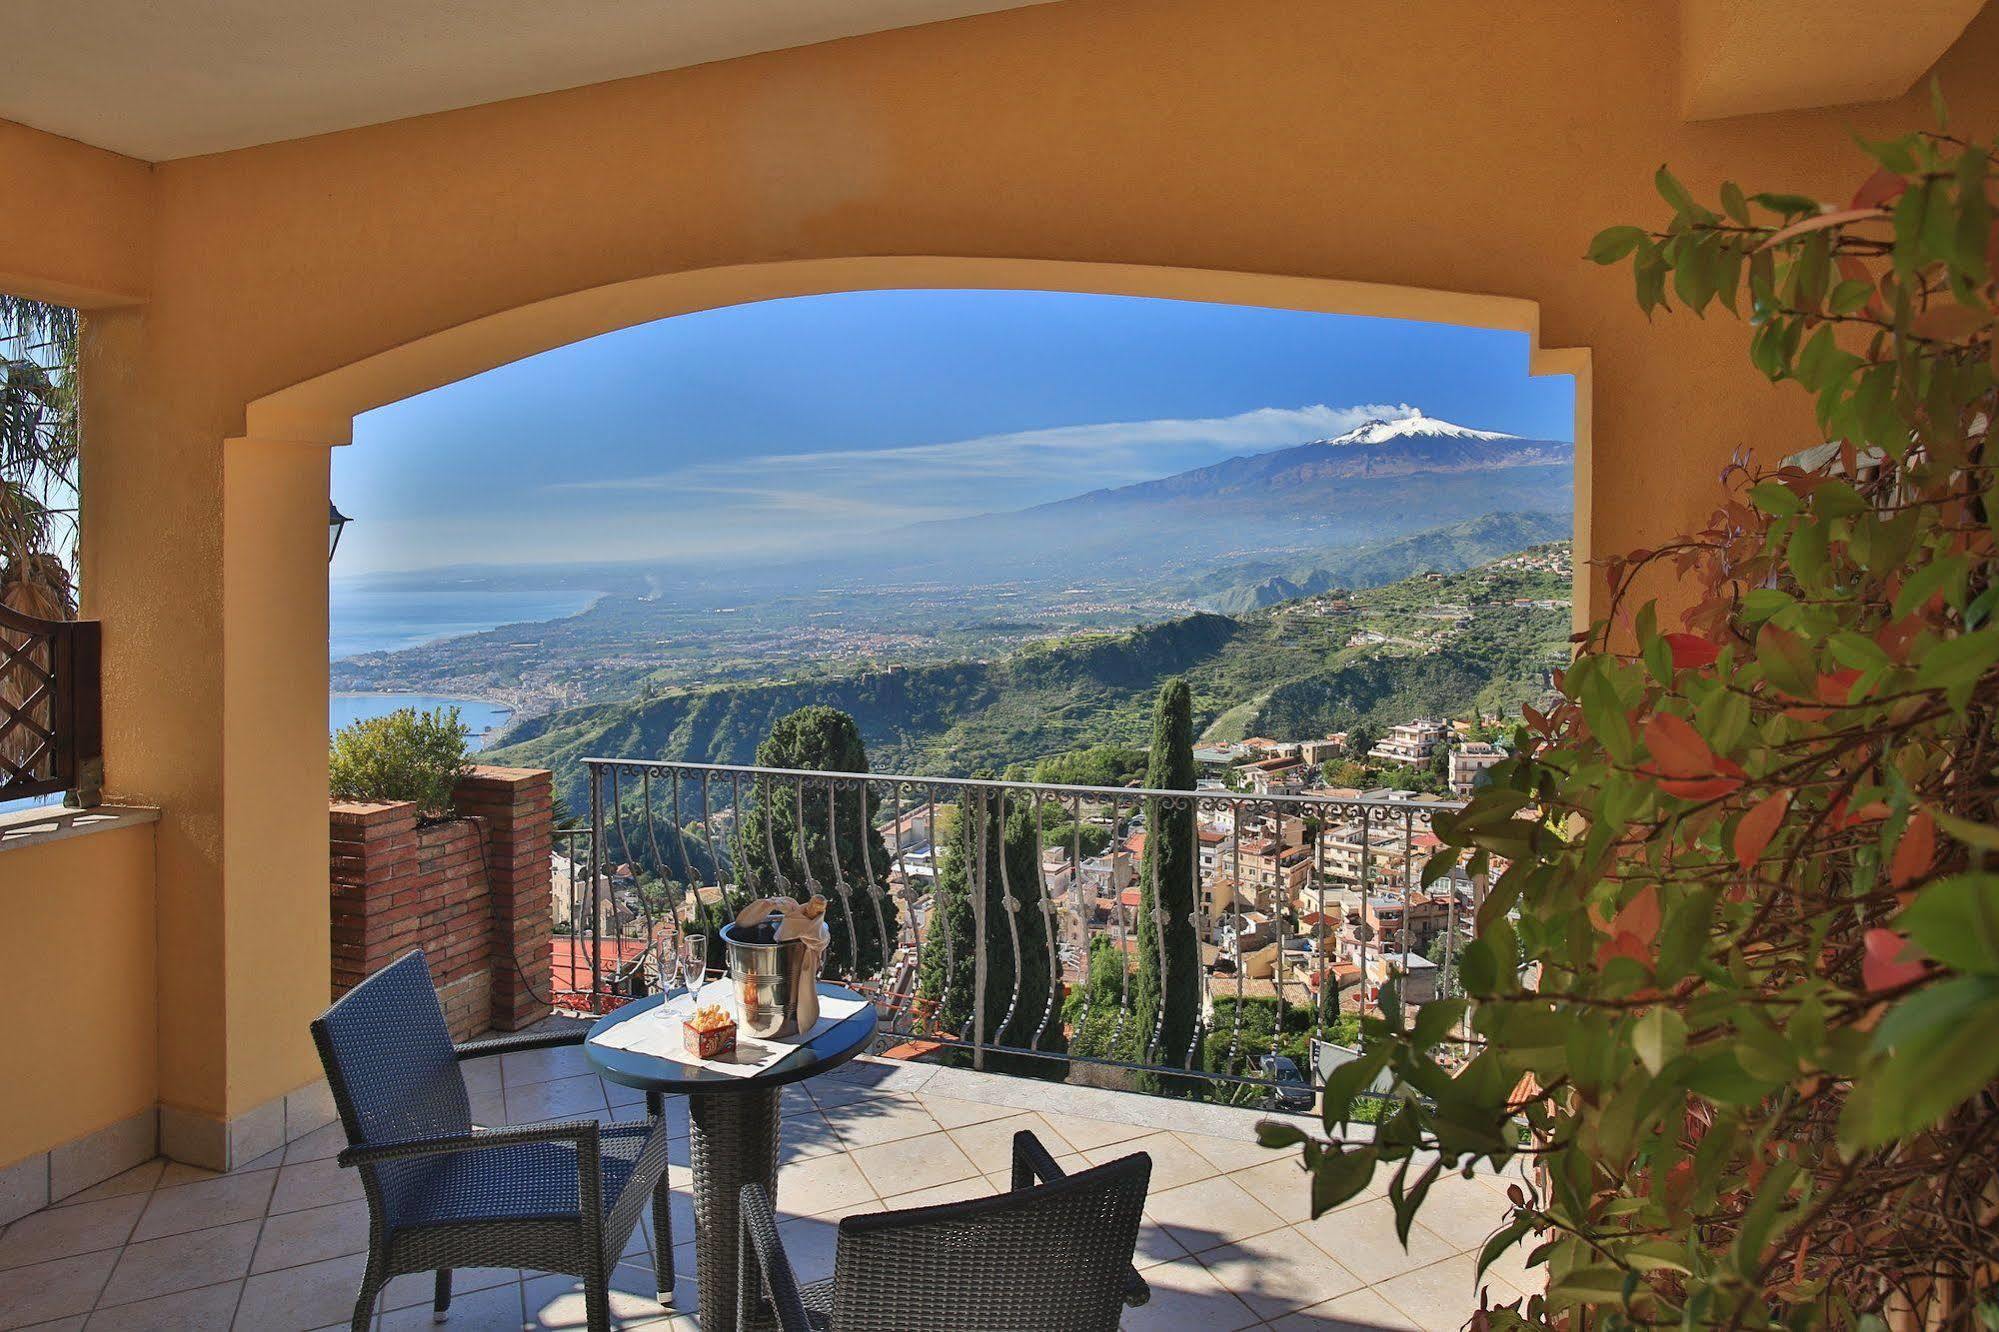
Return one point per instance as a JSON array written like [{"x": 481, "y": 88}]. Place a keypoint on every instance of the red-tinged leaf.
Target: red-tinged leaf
[
  {"x": 1916, "y": 852},
  {"x": 1624, "y": 944},
  {"x": 1894, "y": 637},
  {"x": 1808, "y": 714},
  {"x": 1639, "y": 917},
  {"x": 1890, "y": 961},
  {"x": 1691, "y": 651},
  {"x": 1758, "y": 826},
  {"x": 1881, "y": 187},
  {"x": 1835, "y": 687},
  {"x": 1699, "y": 788},
  {"x": 1677, "y": 748}
]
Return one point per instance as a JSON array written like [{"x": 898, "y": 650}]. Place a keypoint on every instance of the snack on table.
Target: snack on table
[{"x": 708, "y": 1031}]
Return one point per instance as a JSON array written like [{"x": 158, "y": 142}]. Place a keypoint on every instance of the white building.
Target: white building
[
  {"x": 1411, "y": 743},
  {"x": 1468, "y": 762}
]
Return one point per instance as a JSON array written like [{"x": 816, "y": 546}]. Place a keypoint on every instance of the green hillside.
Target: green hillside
[{"x": 1290, "y": 670}]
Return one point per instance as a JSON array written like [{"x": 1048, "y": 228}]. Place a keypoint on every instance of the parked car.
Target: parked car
[{"x": 1292, "y": 1092}]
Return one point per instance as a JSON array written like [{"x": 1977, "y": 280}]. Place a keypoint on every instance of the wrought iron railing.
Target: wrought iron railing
[
  {"x": 1324, "y": 888},
  {"x": 51, "y": 725}
]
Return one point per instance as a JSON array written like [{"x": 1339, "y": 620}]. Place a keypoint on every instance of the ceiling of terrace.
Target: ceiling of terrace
[{"x": 160, "y": 79}]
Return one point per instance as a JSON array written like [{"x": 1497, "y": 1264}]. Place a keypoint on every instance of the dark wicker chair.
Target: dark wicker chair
[
  {"x": 1053, "y": 1256},
  {"x": 559, "y": 1197}
]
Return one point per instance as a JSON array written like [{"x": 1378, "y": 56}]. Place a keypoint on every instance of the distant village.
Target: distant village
[{"x": 1305, "y": 882}]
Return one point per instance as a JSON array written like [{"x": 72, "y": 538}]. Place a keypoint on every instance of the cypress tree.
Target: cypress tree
[
  {"x": 1169, "y": 1002},
  {"x": 822, "y": 739}
]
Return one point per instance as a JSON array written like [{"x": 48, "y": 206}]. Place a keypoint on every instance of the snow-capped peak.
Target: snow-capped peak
[{"x": 1380, "y": 431}]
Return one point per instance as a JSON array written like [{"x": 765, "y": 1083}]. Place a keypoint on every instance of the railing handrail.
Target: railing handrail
[{"x": 1415, "y": 802}]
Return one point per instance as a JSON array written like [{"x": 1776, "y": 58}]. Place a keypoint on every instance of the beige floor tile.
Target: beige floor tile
[
  {"x": 197, "y": 1310},
  {"x": 821, "y": 1184},
  {"x": 1442, "y": 1294},
  {"x": 415, "y": 1288},
  {"x": 182, "y": 1262},
  {"x": 1277, "y": 1272},
  {"x": 1088, "y": 1134},
  {"x": 1187, "y": 1298},
  {"x": 489, "y": 1309},
  {"x": 176, "y": 1172},
  {"x": 291, "y": 1239},
  {"x": 1172, "y": 1164},
  {"x": 810, "y": 1243},
  {"x": 1362, "y": 1238},
  {"x": 315, "y": 1184},
  {"x": 1209, "y": 1212},
  {"x": 878, "y": 1119},
  {"x": 481, "y": 1075},
  {"x": 913, "y": 1163},
  {"x": 977, "y": 1186},
  {"x": 617, "y": 1093},
  {"x": 806, "y": 1134},
  {"x": 1362, "y": 1310},
  {"x": 990, "y": 1142},
  {"x": 55, "y": 1289},
  {"x": 1284, "y": 1186},
  {"x": 954, "y": 1113},
  {"x": 556, "y": 1302},
  {"x": 1231, "y": 1154},
  {"x": 564, "y": 1098},
  {"x": 1463, "y": 1211},
  {"x": 326, "y": 1140},
  {"x": 1156, "y": 1245},
  {"x": 527, "y": 1067},
  {"x": 139, "y": 1179},
  {"x": 301, "y": 1298},
  {"x": 205, "y": 1203},
  {"x": 64, "y": 1232}
]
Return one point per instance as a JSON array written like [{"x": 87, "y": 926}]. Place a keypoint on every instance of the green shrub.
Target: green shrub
[{"x": 406, "y": 755}]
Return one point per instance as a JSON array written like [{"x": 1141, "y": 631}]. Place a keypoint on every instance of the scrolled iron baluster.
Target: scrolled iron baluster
[
  {"x": 874, "y": 889},
  {"x": 1047, "y": 905},
  {"x": 1076, "y": 881},
  {"x": 1155, "y": 828},
  {"x": 909, "y": 899},
  {"x": 1194, "y": 913},
  {"x": 1117, "y": 913},
  {"x": 1283, "y": 891},
  {"x": 937, "y": 911},
  {"x": 1011, "y": 905},
  {"x": 975, "y": 1027},
  {"x": 778, "y": 880},
  {"x": 840, "y": 885},
  {"x": 1235, "y": 887},
  {"x": 798, "y": 837}
]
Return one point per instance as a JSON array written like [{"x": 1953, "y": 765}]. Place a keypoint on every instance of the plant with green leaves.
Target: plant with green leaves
[
  {"x": 1166, "y": 996},
  {"x": 405, "y": 755},
  {"x": 1749, "y": 859}
]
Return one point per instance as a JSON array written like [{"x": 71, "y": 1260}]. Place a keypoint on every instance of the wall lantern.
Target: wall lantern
[{"x": 335, "y": 521}]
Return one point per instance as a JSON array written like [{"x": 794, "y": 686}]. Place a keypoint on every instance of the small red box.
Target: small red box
[{"x": 715, "y": 1034}]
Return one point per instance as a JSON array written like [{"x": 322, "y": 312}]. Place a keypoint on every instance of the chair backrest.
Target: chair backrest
[
  {"x": 389, "y": 1058},
  {"x": 1051, "y": 1258}
]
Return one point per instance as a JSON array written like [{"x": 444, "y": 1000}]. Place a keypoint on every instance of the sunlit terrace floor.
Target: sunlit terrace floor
[{"x": 278, "y": 1244}]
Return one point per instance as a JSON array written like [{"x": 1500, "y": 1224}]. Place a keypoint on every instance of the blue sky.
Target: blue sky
[{"x": 774, "y": 428}]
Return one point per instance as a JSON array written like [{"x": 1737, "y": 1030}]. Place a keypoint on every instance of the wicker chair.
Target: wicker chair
[
  {"x": 559, "y": 1197},
  {"x": 1053, "y": 1256}
]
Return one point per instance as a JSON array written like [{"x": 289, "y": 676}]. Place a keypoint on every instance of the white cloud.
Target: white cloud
[{"x": 1099, "y": 454}]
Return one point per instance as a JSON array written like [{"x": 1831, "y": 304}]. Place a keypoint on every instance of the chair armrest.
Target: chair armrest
[
  {"x": 537, "y": 1040},
  {"x": 583, "y": 1132},
  {"x": 761, "y": 1254},
  {"x": 1032, "y": 1163}
]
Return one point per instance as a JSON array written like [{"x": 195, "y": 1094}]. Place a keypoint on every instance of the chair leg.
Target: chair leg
[
  {"x": 597, "y": 1303},
  {"x": 662, "y": 1238},
  {"x": 441, "y": 1301},
  {"x": 364, "y": 1303}
]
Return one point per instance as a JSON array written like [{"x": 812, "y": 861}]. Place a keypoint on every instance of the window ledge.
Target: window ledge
[{"x": 54, "y": 823}]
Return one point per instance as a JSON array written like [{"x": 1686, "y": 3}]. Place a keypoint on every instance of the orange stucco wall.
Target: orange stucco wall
[
  {"x": 78, "y": 955},
  {"x": 1451, "y": 146}
]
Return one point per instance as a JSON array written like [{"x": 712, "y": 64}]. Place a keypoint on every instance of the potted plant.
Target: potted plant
[
  {"x": 406, "y": 755},
  {"x": 1751, "y": 1054}
]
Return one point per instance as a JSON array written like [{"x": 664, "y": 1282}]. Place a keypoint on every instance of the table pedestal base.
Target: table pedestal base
[{"x": 735, "y": 1137}]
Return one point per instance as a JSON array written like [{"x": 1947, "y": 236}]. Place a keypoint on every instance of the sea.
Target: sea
[{"x": 367, "y": 618}]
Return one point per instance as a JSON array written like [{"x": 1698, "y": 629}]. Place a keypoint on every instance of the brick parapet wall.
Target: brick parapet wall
[{"x": 472, "y": 892}]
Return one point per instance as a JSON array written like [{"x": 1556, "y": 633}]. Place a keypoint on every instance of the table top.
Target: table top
[{"x": 829, "y": 1049}]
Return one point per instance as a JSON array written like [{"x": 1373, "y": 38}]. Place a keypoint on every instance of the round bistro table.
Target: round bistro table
[{"x": 735, "y": 1128}]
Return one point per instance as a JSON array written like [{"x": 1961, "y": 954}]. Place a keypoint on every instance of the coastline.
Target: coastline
[{"x": 487, "y": 718}]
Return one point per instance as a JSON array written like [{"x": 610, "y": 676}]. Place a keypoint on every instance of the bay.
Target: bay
[{"x": 482, "y": 717}]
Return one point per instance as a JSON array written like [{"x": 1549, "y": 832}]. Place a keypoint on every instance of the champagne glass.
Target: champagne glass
[{"x": 691, "y": 957}]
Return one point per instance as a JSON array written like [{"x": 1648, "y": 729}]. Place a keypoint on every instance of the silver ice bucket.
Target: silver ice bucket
[{"x": 776, "y": 984}]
